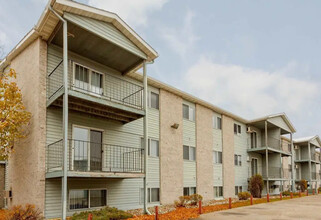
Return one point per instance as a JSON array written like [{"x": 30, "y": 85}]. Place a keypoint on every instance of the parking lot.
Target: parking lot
[{"x": 300, "y": 208}]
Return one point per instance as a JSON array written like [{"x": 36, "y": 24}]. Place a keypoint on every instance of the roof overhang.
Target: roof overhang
[{"x": 47, "y": 23}]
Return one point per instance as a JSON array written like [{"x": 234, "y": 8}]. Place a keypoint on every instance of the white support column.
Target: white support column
[
  {"x": 292, "y": 162},
  {"x": 310, "y": 170},
  {"x": 65, "y": 119},
  {"x": 145, "y": 136},
  {"x": 266, "y": 159}
]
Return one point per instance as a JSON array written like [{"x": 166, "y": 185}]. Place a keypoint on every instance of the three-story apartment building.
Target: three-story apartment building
[
  {"x": 307, "y": 160},
  {"x": 103, "y": 134}
]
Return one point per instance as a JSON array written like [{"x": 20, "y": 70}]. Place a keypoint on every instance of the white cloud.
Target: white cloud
[
  {"x": 181, "y": 39},
  {"x": 251, "y": 92},
  {"x": 135, "y": 12}
]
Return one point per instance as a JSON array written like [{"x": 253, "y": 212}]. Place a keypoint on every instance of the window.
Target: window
[
  {"x": 237, "y": 129},
  {"x": 83, "y": 199},
  {"x": 188, "y": 153},
  {"x": 218, "y": 191},
  {"x": 188, "y": 113},
  {"x": 217, "y": 122},
  {"x": 217, "y": 158},
  {"x": 88, "y": 80},
  {"x": 254, "y": 166},
  {"x": 98, "y": 198},
  {"x": 154, "y": 100},
  {"x": 237, "y": 160},
  {"x": 153, "y": 147},
  {"x": 238, "y": 189},
  {"x": 152, "y": 195},
  {"x": 253, "y": 140},
  {"x": 187, "y": 191}
]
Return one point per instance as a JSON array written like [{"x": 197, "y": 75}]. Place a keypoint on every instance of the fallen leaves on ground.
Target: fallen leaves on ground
[{"x": 190, "y": 213}]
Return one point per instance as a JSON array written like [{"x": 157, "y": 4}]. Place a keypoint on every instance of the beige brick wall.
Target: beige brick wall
[
  {"x": 27, "y": 164},
  {"x": 204, "y": 152},
  {"x": 2, "y": 184},
  {"x": 171, "y": 147},
  {"x": 228, "y": 157}
]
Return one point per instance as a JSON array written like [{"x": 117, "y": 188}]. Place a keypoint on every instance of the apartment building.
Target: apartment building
[
  {"x": 104, "y": 134},
  {"x": 307, "y": 160}
]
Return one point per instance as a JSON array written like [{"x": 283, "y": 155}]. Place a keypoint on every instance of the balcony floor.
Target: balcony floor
[
  {"x": 87, "y": 103},
  {"x": 261, "y": 150}
]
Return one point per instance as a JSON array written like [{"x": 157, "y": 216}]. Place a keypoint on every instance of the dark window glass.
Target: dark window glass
[{"x": 154, "y": 100}]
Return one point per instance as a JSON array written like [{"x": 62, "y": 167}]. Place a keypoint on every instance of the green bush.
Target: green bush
[
  {"x": 303, "y": 185},
  {"x": 256, "y": 185},
  {"x": 244, "y": 195},
  {"x": 188, "y": 200},
  {"x": 319, "y": 189},
  {"x": 286, "y": 193},
  {"x": 107, "y": 213}
]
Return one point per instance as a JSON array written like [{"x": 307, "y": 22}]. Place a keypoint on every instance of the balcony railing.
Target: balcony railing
[
  {"x": 84, "y": 156},
  {"x": 315, "y": 157},
  {"x": 107, "y": 87},
  {"x": 274, "y": 172},
  {"x": 274, "y": 143}
]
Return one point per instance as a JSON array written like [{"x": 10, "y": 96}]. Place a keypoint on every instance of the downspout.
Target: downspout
[
  {"x": 65, "y": 113},
  {"x": 145, "y": 134}
]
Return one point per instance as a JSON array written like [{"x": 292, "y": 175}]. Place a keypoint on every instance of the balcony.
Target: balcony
[
  {"x": 315, "y": 157},
  {"x": 89, "y": 159},
  {"x": 102, "y": 94},
  {"x": 273, "y": 145}
]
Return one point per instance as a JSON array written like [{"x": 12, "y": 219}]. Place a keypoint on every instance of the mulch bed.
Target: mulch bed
[{"x": 185, "y": 213}]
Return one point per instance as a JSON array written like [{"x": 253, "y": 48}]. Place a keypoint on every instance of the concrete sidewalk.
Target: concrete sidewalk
[{"x": 300, "y": 208}]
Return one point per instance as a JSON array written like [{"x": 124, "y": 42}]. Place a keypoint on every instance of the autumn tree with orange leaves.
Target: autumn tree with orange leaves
[{"x": 13, "y": 114}]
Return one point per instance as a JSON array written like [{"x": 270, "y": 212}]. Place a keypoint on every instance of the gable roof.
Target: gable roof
[
  {"x": 48, "y": 21},
  {"x": 316, "y": 139}
]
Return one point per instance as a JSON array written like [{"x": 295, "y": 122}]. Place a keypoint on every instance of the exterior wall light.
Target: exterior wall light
[{"x": 175, "y": 125}]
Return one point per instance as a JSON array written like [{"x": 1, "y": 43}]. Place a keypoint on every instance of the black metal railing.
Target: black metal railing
[
  {"x": 55, "y": 80},
  {"x": 114, "y": 88},
  {"x": 54, "y": 154},
  {"x": 85, "y": 156}
]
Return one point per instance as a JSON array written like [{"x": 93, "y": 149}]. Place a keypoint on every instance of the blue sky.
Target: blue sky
[{"x": 252, "y": 58}]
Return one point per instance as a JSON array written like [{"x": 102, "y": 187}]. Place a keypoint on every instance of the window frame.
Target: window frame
[
  {"x": 219, "y": 190},
  {"x": 87, "y": 189},
  {"x": 189, "y": 153},
  {"x": 217, "y": 122},
  {"x": 189, "y": 188},
  {"x": 149, "y": 146},
  {"x": 237, "y": 129},
  {"x": 150, "y": 100},
  {"x": 90, "y": 70},
  {"x": 149, "y": 195},
  {"x": 237, "y": 160},
  {"x": 216, "y": 155},
  {"x": 238, "y": 189},
  {"x": 190, "y": 112}
]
